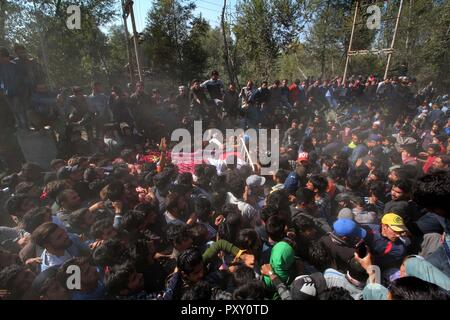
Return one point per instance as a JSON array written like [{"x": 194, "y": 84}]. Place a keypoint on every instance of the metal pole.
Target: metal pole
[
  {"x": 351, "y": 42},
  {"x": 135, "y": 40},
  {"x": 127, "y": 42},
  {"x": 393, "y": 40}
]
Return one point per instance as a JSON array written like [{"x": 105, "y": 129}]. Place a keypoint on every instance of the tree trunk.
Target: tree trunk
[
  {"x": 225, "y": 44},
  {"x": 3, "y": 6}
]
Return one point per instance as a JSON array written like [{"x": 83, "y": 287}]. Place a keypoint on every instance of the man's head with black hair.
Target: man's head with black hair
[
  {"x": 236, "y": 185},
  {"x": 280, "y": 176},
  {"x": 123, "y": 280},
  {"x": 354, "y": 182},
  {"x": 199, "y": 234},
  {"x": 253, "y": 290},
  {"x": 179, "y": 236},
  {"x": 412, "y": 288},
  {"x": 335, "y": 293},
  {"x": 103, "y": 230},
  {"x": 248, "y": 239},
  {"x": 317, "y": 183},
  {"x": 35, "y": 217},
  {"x": 115, "y": 191},
  {"x": 203, "y": 209},
  {"x": 319, "y": 256},
  {"x": 304, "y": 227},
  {"x": 242, "y": 275},
  {"x": 18, "y": 205},
  {"x": 433, "y": 191},
  {"x": 134, "y": 221},
  {"x": 110, "y": 253},
  {"x": 51, "y": 237},
  {"x": 401, "y": 190},
  {"x": 53, "y": 188},
  {"x": 69, "y": 200},
  {"x": 17, "y": 280},
  {"x": 175, "y": 203},
  {"x": 275, "y": 228},
  {"x": 268, "y": 211},
  {"x": 201, "y": 291},
  {"x": 190, "y": 264},
  {"x": 81, "y": 219}
]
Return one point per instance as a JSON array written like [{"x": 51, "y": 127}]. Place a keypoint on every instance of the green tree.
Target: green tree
[{"x": 174, "y": 49}]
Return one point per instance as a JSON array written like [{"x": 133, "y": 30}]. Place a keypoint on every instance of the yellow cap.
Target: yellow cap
[{"x": 394, "y": 221}]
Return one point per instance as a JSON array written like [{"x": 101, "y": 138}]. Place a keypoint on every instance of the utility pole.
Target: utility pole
[
  {"x": 351, "y": 42},
  {"x": 129, "y": 6},
  {"x": 393, "y": 40},
  {"x": 125, "y": 13}
]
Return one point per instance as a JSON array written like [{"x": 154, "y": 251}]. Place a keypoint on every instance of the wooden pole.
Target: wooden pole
[
  {"x": 127, "y": 42},
  {"x": 135, "y": 40},
  {"x": 393, "y": 40},
  {"x": 351, "y": 42}
]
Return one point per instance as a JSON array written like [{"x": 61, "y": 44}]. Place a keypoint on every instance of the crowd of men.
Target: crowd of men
[{"x": 358, "y": 209}]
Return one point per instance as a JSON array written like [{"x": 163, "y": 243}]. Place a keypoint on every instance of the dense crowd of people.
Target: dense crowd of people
[{"x": 358, "y": 209}]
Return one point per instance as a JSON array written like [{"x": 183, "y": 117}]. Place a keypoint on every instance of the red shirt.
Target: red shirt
[{"x": 428, "y": 164}]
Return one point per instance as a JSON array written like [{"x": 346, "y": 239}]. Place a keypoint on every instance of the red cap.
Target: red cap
[{"x": 303, "y": 156}]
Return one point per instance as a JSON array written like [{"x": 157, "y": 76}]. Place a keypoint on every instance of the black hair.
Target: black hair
[
  {"x": 172, "y": 201},
  {"x": 148, "y": 208},
  {"x": 13, "y": 204},
  {"x": 243, "y": 275},
  {"x": 335, "y": 293},
  {"x": 253, "y": 290},
  {"x": 229, "y": 229},
  {"x": 268, "y": 211},
  {"x": 304, "y": 195},
  {"x": 279, "y": 199},
  {"x": 302, "y": 223},
  {"x": 63, "y": 195},
  {"x": 275, "y": 227},
  {"x": 377, "y": 188},
  {"x": 404, "y": 184},
  {"x": 199, "y": 234},
  {"x": 115, "y": 191},
  {"x": 176, "y": 233},
  {"x": 76, "y": 218},
  {"x": 319, "y": 256},
  {"x": 281, "y": 175},
  {"x": 99, "y": 227},
  {"x": 34, "y": 218},
  {"x": 7, "y": 278},
  {"x": 248, "y": 239},
  {"x": 235, "y": 184},
  {"x": 185, "y": 178},
  {"x": 132, "y": 220},
  {"x": 139, "y": 253},
  {"x": 435, "y": 147},
  {"x": 90, "y": 174},
  {"x": 319, "y": 182},
  {"x": 379, "y": 174},
  {"x": 412, "y": 288},
  {"x": 53, "y": 188},
  {"x": 109, "y": 253},
  {"x": 433, "y": 191},
  {"x": 201, "y": 291},
  {"x": 117, "y": 279},
  {"x": 202, "y": 208},
  {"x": 189, "y": 259},
  {"x": 41, "y": 234},
  {"x": 354, "y": 182}
]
